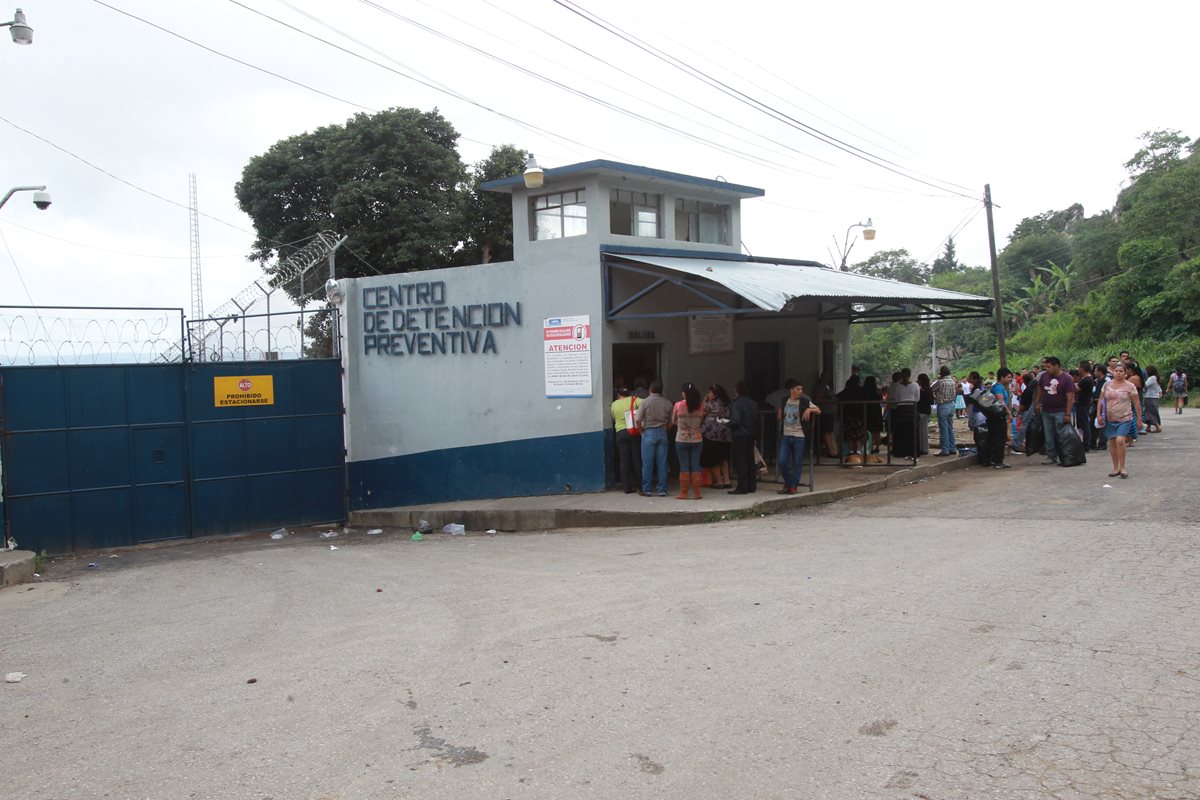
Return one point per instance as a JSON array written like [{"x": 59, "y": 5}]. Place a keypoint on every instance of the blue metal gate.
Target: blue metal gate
[
  {"x": 257, "y": 467},
  {"x": 109, "y": 456}
]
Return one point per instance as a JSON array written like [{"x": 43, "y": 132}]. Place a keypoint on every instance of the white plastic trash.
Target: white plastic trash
[
  {"x": 329, "y": 534},
  {"x": 374, "y": 531},
  {"x": 454, "y": 529},
  {"x": 14, "y": 677},
  {"x": 279, "y": 534}
]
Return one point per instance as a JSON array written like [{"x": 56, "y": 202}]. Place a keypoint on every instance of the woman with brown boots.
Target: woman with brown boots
[{"x": 687, "y": 418}]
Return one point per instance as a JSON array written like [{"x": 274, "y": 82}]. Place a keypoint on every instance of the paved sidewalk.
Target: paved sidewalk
[{"x": 619, "y": 510}]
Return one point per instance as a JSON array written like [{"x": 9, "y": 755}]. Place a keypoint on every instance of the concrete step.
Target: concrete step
[
  {"x": 16, "y": 566},
  {"x": 618, "y": 510}
]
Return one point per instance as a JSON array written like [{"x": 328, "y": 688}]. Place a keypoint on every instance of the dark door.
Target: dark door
[
  {"x": 764, "y": 368},
  {"x": 828, "y": 357},
  {"x": 764, "y": 374},
  {"x": 633, "y": 361}
]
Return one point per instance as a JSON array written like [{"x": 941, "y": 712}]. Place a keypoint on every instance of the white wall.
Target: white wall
[{"x": 404, "y": 404}]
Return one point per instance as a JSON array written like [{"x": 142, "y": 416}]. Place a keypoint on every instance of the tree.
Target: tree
[
  {"x": 1063, "y": 221},
  {"x": 882, "y": 348},
  {"x": 1167, "y": 203},
  {"x": 487, "y": 216},
  {"x": 896, "y": 265},
  {"x": 948, "y": 261},
  {"x": 1023, "y": 257},
  {"x": 1094, "y": 248},
  {"x": 1176, "y": 309},
  {"x": 959, "y": 338},
  {"x": 1161, "y": 151},
  {"x": 391, "y": 181}
]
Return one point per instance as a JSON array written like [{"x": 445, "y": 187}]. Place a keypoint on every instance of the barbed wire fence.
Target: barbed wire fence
[
  {"x": 63, "y": 335},
  {"x": 79, "y": 335},
  {"x": 275, "y": 336}
]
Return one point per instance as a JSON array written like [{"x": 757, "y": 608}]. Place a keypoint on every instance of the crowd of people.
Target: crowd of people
[
  {"x": 713, "y": 434},
  {"x": 1104, "y": 405}
]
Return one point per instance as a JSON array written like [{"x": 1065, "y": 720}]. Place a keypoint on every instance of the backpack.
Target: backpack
[
  {"x": 1180, "y": 384},
  {"x": 984, "y": 399}
]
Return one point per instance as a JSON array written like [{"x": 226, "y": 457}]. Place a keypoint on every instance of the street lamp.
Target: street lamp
[
  {"x": 20, "y": 30},
  {"x": 534, "y": 176},
  {"x": 868, "y": 234},
  {"x": 41, "y": 198}
]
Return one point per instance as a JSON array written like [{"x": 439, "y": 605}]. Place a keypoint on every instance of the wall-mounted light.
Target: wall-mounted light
[
  {"x": 333, "y": 292},
  {"x": 20, "y": 30},
  {"x": 534, "y": 176}
]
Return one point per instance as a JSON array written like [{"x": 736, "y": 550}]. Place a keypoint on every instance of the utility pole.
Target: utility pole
[{"x": 987, "y": 204}]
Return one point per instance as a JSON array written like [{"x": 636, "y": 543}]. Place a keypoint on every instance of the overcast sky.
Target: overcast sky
[{"x": 1045, "y": 101}]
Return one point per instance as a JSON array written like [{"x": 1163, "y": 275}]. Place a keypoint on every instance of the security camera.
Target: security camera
[{"x": 41, "y": 200}]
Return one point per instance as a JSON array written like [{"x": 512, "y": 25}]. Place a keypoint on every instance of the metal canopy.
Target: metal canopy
[{"x": 765, "y": 289}]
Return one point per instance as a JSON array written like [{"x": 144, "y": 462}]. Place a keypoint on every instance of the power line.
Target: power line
[
  {"x": 752, "y": 102},
  {"x": 611, "y": 106},
  {"x": 723, "y": 46},
  {"x": 629, "y": 74},
  {"x": 426, "y": 83},
  {"x": 966, "y": 220},
  {"x": 21, "y": 278},
  {"x": 364, "y": 261},
  {"x": 530, "y": 73},
  {"x": 633, "y": 76},
  {"x": 118, "y": 178},
  {"x": 229, "y": 57},
  {"x": 109, "y": 250}
]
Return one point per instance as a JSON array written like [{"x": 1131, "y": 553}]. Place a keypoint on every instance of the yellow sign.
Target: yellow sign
[{"x": 244, "y": 390}]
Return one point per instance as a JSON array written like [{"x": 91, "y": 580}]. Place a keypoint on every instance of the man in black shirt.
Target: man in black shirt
[
  {"x": 743, "y": 424},
  {"x": 1083, "y": 409},
  {"x": 1029, "y": 380}
]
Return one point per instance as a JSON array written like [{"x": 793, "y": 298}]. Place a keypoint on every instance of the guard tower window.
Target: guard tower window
[
  {"x": 701, "y": 221},
  {"x": 635, "y": 213},
  {"x": 557, "y": 216}
]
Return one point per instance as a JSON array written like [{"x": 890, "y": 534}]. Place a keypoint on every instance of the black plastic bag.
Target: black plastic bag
[
  {"x": 1035, "y": 436},
  {"x": 1070, "y": 446}
]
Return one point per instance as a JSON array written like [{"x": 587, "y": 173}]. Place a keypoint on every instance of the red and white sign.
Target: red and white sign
[
  {"x": 567, "y": 351},
  {"x": 245, "y": 384}
]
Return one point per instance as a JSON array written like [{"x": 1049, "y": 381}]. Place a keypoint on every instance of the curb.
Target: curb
[
  {"x": 551, "y": 519},
  {"x": 16, "y": 566}
]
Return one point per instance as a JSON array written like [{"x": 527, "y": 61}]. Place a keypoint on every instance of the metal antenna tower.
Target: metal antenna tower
[{"x": 197, "y": 284}]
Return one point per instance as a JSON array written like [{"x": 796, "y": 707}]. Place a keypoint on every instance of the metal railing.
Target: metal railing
[{"x": 890, "y": 406}]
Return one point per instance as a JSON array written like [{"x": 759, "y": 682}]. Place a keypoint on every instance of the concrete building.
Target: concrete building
[{"x": 495, "y": 380}]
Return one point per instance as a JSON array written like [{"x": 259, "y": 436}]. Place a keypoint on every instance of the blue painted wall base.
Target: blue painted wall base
[{"x": 522, "y": 468}]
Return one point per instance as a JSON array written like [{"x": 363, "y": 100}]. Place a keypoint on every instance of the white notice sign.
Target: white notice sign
[
  {"x": 567, "y": 348},
  {"x": 712, "y": 333}
]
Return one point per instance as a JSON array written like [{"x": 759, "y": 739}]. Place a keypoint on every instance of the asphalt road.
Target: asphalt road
[{"x": 1021, "y": 634}]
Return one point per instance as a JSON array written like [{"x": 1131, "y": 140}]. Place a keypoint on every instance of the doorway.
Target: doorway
[
  {"x": 633, "y": 361},
  {"x": 764, "y": 368}
]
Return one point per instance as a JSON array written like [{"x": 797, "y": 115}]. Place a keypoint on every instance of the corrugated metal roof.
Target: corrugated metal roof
[{"x": 770, "y": 285}]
